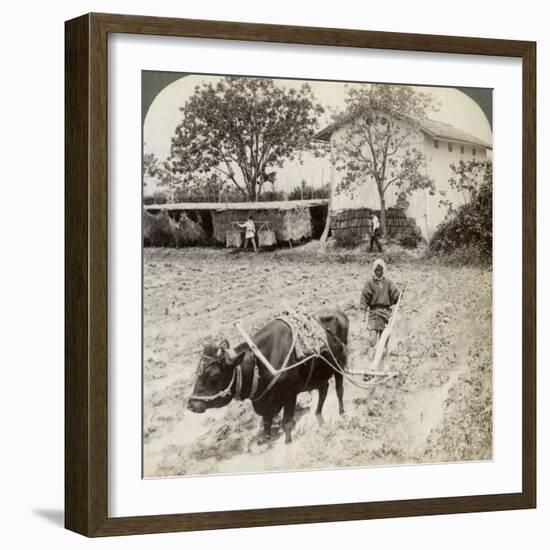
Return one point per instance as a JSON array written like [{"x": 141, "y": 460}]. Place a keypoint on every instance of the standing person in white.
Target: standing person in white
[
  {"x": 375, "y": 236},
  {"x": 250, "y": 233}
]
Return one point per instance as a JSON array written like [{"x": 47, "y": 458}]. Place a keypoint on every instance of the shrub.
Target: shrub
[
  {"x": 467, "y": 232},
  {"x": 309, "y": 192},
  {"x": 272, "y": 196},
  {"x": 411, "y": 239},
  {"x": 158, "y": 197},
  {"x": 348, "y": 238}
]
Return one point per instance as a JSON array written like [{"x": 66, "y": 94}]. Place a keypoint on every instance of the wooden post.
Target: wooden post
[{"x": 324, "y": 236}]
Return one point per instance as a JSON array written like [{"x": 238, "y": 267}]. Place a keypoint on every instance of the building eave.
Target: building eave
[{"x": 443, "y": 137}]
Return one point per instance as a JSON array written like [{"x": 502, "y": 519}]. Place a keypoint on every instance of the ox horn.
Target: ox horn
[
  {"x": 223, "y": 348},
  {"x": 224, "y": 345},
  {"x": 230, "y": 354}
]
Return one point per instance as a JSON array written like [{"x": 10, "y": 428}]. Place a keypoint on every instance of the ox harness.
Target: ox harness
[
  {"x": 237, "y": 379},
  {"x": 317, "y": 352},
  {"x": 235, "y": 385},
  {"x": 295, "y": 346},
  {"x": 315, "y": 344}
]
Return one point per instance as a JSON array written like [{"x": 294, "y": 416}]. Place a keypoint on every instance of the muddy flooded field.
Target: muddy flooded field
[{"x": 438, "y": 408}]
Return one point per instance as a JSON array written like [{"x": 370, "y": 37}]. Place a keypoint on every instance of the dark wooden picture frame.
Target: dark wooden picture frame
[{"x": 86, "y": 281}]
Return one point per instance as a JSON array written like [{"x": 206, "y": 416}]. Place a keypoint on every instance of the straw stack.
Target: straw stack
[{"x": 291, "y": 224}]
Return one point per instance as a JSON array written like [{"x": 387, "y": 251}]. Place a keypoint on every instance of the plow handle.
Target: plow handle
[{"x": 383, "y": 342}]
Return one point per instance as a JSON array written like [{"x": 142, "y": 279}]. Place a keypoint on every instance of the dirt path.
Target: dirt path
[
  {"x": 423, "y": 412},
  {"x": 445, "y": 316}
]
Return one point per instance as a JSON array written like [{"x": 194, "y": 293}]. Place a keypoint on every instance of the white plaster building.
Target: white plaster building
[{"x": 442, "y": 144}]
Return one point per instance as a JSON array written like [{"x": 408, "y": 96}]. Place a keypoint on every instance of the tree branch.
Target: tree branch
[
  {"x": 363, "y": 158},
  {"x": 389, "y": 183}
]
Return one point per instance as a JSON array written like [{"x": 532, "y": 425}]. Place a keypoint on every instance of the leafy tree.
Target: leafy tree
[
  {"x": 203, "y": 188},
  {"x": 243, "y": 128},
  {"x": 150, "y": 166},
  {"x": 162, "y": 173},
  {"x": 469, "y": 178},
  {"x": 380, "y": 126}
]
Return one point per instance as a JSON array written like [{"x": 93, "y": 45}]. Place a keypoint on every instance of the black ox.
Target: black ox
[{"x": 224, "y": 374}]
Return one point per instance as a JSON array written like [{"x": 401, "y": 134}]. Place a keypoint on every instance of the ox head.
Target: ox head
[{"x": 214, "y": 383}]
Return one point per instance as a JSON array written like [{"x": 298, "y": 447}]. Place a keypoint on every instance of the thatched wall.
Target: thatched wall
[
  {"x": 161, "y": 230},
  {"x": 157, "y": 229},
  {"x": 288, "y": 224},
  {"x": 356, "y": 225}
]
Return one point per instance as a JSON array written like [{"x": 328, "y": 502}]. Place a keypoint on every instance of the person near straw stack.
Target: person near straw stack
[
  {"x": 377, "y": 297},
  {"x": 375, "y": 236},
  {"x": 250, "y": 232}
]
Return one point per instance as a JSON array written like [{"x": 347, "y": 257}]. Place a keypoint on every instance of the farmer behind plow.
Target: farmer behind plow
[{"x": 377, "y": 297}]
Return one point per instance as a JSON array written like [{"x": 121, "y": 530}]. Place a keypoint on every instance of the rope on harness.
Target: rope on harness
[
  {"x": 239, "y": 383},
  {"x": 333, "y": 363},
  {"x": 346, "y": 375},
  {"x": 223, "y": 393},
  {"x": 255, "y": 381}
]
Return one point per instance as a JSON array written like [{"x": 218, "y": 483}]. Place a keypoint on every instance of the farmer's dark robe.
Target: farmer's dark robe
[{"x": 378, "y": 296}]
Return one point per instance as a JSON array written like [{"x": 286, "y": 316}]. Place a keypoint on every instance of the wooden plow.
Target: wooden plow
[{"x": 374, "y": 375}]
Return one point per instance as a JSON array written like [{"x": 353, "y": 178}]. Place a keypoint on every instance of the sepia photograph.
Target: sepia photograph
[{"x": 317, "y": 274}]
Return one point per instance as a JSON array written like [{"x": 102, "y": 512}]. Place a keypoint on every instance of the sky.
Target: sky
[{"x": 454, "y": 108}]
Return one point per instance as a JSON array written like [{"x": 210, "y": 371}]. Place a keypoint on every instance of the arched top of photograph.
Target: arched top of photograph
[{"x": 168, "y": 92}]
